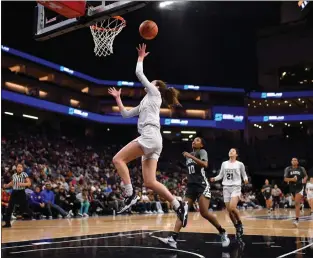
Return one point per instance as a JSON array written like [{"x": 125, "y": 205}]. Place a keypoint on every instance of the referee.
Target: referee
[{"x": 20, "y": 180}]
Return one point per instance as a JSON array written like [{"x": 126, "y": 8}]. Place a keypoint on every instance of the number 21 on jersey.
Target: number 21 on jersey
[
  {"x": 229, "y": 176},
  {"x": 191, "y": 170}
]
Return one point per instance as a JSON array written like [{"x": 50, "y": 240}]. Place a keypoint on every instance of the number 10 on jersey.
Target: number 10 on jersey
[{"x": 191, "y": 170}]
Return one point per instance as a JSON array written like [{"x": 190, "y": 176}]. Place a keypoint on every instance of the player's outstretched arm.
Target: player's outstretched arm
[
  {"x": 243, "y": 173},
  {"x": 202, "y": 162},
  {"x": 220, "y": 175},
  {"x": 125, "y": 113},
  {"x": 151, "y": 89}
]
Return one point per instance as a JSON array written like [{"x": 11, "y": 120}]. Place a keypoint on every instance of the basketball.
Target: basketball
[{"x": 148, "y": 30}]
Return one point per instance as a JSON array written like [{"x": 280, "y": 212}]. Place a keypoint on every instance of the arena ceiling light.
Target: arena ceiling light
[
  {"x": 9, "y": 113},
  {"x": 188, "y": 132},
  {"x": 31, "y": 117},
  {"x": 166, "y": 3},
  {"x": 167, "y": 132}
]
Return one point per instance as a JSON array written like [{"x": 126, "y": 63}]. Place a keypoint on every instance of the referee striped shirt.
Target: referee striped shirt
[{"x": 19, "y": 178}]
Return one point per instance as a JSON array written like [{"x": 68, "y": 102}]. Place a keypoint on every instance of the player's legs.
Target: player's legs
[
  {"x": 233, "y": 208},
  {"x": 298, "y": 199},
  {"x": 269, "y": 204},
  {"x": 231, "y": 215},
  {"x": 171, "y": 240},
  {"x": 204, "y": 204},
  {"x": 149, "y": 166},
  {"x": 179, "y": 224},
  {"x": 130, "y": 152},
  {"x": 310, "y": 201}
]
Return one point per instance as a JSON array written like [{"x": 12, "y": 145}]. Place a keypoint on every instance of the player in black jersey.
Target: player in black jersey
[
  {"x": 267, "y": 193},
  {"x": 296, "y": 177},
  {"x": 198, "y": 188}
]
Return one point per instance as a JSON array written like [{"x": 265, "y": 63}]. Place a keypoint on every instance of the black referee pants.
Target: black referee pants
[{"x": 17, "y": 197}]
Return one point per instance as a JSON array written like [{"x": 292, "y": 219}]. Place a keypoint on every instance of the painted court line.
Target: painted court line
[
  {"x": 132, "y": 247},
  {"x": 295, "y": 251},
  {"x": 84, "y": 239},
  {"x": 263, "y": 243}
]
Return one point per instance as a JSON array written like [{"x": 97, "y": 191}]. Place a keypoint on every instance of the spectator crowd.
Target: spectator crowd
[{"x": 73, "y": 179}]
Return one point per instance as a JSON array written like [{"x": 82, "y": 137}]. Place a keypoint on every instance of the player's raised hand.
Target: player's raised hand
[
  {"x": 115, "y": 93},
  {"x": 186, "y": 154},
  {"x": 142, "y": 51}
]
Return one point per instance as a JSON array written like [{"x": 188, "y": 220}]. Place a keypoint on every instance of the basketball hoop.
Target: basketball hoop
[{"x": 104, "y": 33}]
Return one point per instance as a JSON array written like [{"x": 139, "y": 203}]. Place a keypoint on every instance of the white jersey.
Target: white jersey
[
  {"x": 231, "y": 173},
  {"x": 149, "y": 107},
  {"x": 309, "y": 189}
]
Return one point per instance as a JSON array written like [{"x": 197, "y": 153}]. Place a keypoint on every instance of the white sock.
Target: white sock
[
  {"x": 175, "y": 203},
  {"x": 128, "y": 189}
]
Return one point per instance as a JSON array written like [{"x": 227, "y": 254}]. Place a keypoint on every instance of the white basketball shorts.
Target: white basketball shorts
[
  {"x": 150, "y": 141},
  {"x": 231, "y": 191},
  {"x": 310, "y": 196}
]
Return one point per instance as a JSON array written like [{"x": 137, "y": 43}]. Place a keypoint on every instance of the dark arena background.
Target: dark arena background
[{"x": 245, "y": 75}]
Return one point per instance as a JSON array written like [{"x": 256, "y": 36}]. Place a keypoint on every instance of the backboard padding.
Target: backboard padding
[{"x": 94, "y": 13}]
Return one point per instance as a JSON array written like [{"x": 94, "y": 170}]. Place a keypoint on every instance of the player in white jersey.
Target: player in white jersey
[
  {"x": 231, "y": 172},
  {"x": 149, "y": 144},
  {"x": 309, "y": 193}
]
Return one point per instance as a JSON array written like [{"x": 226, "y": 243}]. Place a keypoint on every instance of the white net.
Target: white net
[{"x": 104, "y": 33}]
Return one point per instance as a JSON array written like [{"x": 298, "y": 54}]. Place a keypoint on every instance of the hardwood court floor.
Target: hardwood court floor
[{"x": 265, "y": 236}]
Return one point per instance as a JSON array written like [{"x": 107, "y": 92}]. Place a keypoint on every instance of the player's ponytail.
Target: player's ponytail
[{"x": 169, "y": 94}]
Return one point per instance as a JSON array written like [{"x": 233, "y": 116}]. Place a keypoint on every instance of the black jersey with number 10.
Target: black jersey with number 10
[
  {"x": 291, "y": 172},
  {"x": 196, "y": 173}
]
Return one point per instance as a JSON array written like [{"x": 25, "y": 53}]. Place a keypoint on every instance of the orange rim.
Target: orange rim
[{"x": 94, "y": 27}]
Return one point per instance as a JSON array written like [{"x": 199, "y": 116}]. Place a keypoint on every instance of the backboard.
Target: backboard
[{"x": 50, "y": 24}]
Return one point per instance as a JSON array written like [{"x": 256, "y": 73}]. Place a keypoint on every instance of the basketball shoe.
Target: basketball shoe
[
  {"x": 129, "y": 201},
  {"x": 225, "y": 240},
  {"x": 168, "y": 241},
  {"x": 182, "y": 213}
]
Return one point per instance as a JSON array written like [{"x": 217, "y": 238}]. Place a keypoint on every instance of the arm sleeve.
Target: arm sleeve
[
  {"x": 243, "y": 172},
  {"x": 286, "y": 172},
  {"x": 221, "y": 174},
  {"x": 130, "y": 113},
  {"x": 304, "y": 172},
  {"x": 203, "y": 155},
  {"x": 151, "y": 89}
]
